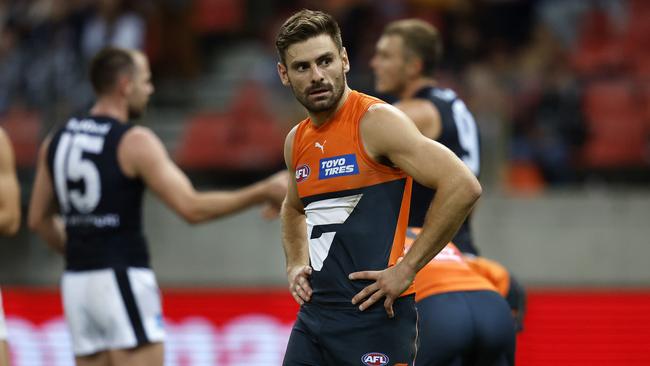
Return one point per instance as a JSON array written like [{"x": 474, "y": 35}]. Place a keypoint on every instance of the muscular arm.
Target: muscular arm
[
  {"x": 44, "y": 218},
  {"x": 9, "y": 189},
  {"x": 425, "y": 116},
  {"x": 294, "y": 238},
  {"x": 388, "y": 134},
  {"x": 142, "y": 154}
]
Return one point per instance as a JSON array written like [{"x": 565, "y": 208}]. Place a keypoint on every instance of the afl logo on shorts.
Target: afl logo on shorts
[
  {"x": 374, "y": 359},
  {"x": 302, "y": 173}
]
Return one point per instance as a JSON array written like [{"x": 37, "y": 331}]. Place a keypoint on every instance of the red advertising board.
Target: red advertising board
[{"x": 251, "y": 327}]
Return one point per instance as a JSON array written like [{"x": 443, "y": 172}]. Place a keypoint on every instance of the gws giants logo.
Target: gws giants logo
[
  {"x": 374, "y": 359},
  {"x": 302, "y": 173}
]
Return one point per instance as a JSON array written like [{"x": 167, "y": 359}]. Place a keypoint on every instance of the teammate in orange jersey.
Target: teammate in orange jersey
[
  {"x": 345, "y": 214},
  {"x": 9, "y": 218},
  {"x": 87, "y": 203},
  {"x": 462, "y": 317}
]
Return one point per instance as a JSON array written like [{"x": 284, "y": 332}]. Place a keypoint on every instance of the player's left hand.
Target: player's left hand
[
  {"x": 270, "y": 211},
  {"x": 389, "y": 283}
]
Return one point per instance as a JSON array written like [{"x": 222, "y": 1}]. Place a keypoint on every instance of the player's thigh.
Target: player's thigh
[
  {"x": 303, "y": 348},
  {"x": 151, "y": 354},
  {"x": 444, "y": 329},
  {"x": 86, "y": 294},
  {"x": 4, "y": 353},
  {"x": 97, "y": 359},
  {"x": 495, "y": 329},
  {"x": 352, "y": 337}
]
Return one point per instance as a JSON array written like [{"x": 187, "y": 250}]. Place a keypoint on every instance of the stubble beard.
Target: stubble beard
[{"x": 337, "y": 94}]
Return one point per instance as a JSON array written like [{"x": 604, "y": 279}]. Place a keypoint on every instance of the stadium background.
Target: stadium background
[{"x": 561, "y": 92}]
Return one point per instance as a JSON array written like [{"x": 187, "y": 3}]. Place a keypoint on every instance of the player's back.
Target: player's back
[
  {"x": 459, "y": 133},
  {"x": 100, "y": 205},
  {"x": 448, "y": 271}
]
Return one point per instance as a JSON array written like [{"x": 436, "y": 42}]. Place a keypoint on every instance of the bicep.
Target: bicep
[
  {"x": 424, "y": 114},
  {"x": 427, "y": 161},
  {"x": 389, "y": 132},
  {"x": 151, "y": 162},
  {"x": 292, "y": 199}
]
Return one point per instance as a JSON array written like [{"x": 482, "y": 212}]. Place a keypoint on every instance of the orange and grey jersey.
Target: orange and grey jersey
[{"x": 356, "y": 209}]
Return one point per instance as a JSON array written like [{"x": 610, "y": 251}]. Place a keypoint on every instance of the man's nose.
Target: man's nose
[{"x": 316, "y": 74}]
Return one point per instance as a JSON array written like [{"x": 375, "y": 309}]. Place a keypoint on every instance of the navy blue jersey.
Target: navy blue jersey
[
  {"x": 102, "y": 207},
  {"x": 460, "y": 134}
]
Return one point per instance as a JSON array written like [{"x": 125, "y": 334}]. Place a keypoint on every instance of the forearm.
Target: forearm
[
  {"x": 9, "y": 205},
  {"x": 9, "y": 223},
  {"x": 294, "y": 237},
  {"x": 451, "y": 205},
  {"x": 210, "y": 205},
  {"x": 52, "y": 231}
]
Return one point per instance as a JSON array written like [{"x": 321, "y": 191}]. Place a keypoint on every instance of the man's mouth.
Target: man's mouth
[{"x": 318, "y": 92}]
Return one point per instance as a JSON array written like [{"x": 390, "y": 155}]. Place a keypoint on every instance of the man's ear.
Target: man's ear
[
  {"x": 282, "y": 72},
  {"x": 124, "y": 84},
  {"x": 345, "y": 60},
  {"x": 414, "y": 66}
]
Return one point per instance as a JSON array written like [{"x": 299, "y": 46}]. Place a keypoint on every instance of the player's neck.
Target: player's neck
[
  {"x": 321, "y": 118},
  {"x": 110, "y": 106},
  {"x": 414, "y": 86}
]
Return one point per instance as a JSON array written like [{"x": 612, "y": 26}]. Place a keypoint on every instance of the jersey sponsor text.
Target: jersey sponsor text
[{"x": 338, "y": 166}]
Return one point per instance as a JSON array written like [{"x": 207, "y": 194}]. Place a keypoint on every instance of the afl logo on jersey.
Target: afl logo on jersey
[
  {"x": 302, "y": 173},
  {"x": 374, "y": 359}
]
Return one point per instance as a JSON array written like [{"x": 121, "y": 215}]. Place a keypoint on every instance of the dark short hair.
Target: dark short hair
[
  {"x": 304, "y": 25},
  {"x": 107, "y": 65},
  {"x": 421, "y": 38}
]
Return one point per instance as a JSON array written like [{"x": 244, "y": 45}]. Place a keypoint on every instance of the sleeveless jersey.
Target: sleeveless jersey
[
  {"x": 449, "y": 271},
  {"x": 356, "y": 208},
  {"x": 459, "y": 133},
  {"x": 101, "y": 207}
]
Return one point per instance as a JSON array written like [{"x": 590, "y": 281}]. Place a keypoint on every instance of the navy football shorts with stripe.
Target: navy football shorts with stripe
[
  {"x": 465, "y": 328},
  {"x": 110, "y": 309},
  {"x": 343, "y": 335}
]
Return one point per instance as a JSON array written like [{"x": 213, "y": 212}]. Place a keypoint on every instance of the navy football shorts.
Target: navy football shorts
[
  {"x": 342, "y": 335},
  {"x": 465, "y": 328}
]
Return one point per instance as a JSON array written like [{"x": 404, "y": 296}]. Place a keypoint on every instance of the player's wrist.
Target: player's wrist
[
  {"x": 408, "y": 268},
  {"x": 295, "y": 266}
]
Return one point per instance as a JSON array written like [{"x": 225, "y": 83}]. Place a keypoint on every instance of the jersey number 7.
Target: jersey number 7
[{"x": 323, "y": 219}]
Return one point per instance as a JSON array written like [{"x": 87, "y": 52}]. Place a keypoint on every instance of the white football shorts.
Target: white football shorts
[{"x": 110, "y": 309}]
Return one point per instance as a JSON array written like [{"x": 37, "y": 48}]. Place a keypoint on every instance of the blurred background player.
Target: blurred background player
[
  {"x": 462, "y": 317},
  {"x": 9, "y": 218},
  {"x": 87, "y": 203},
  {"x": 406, "y": 57},
  {"x": 351, "y": 193}
]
